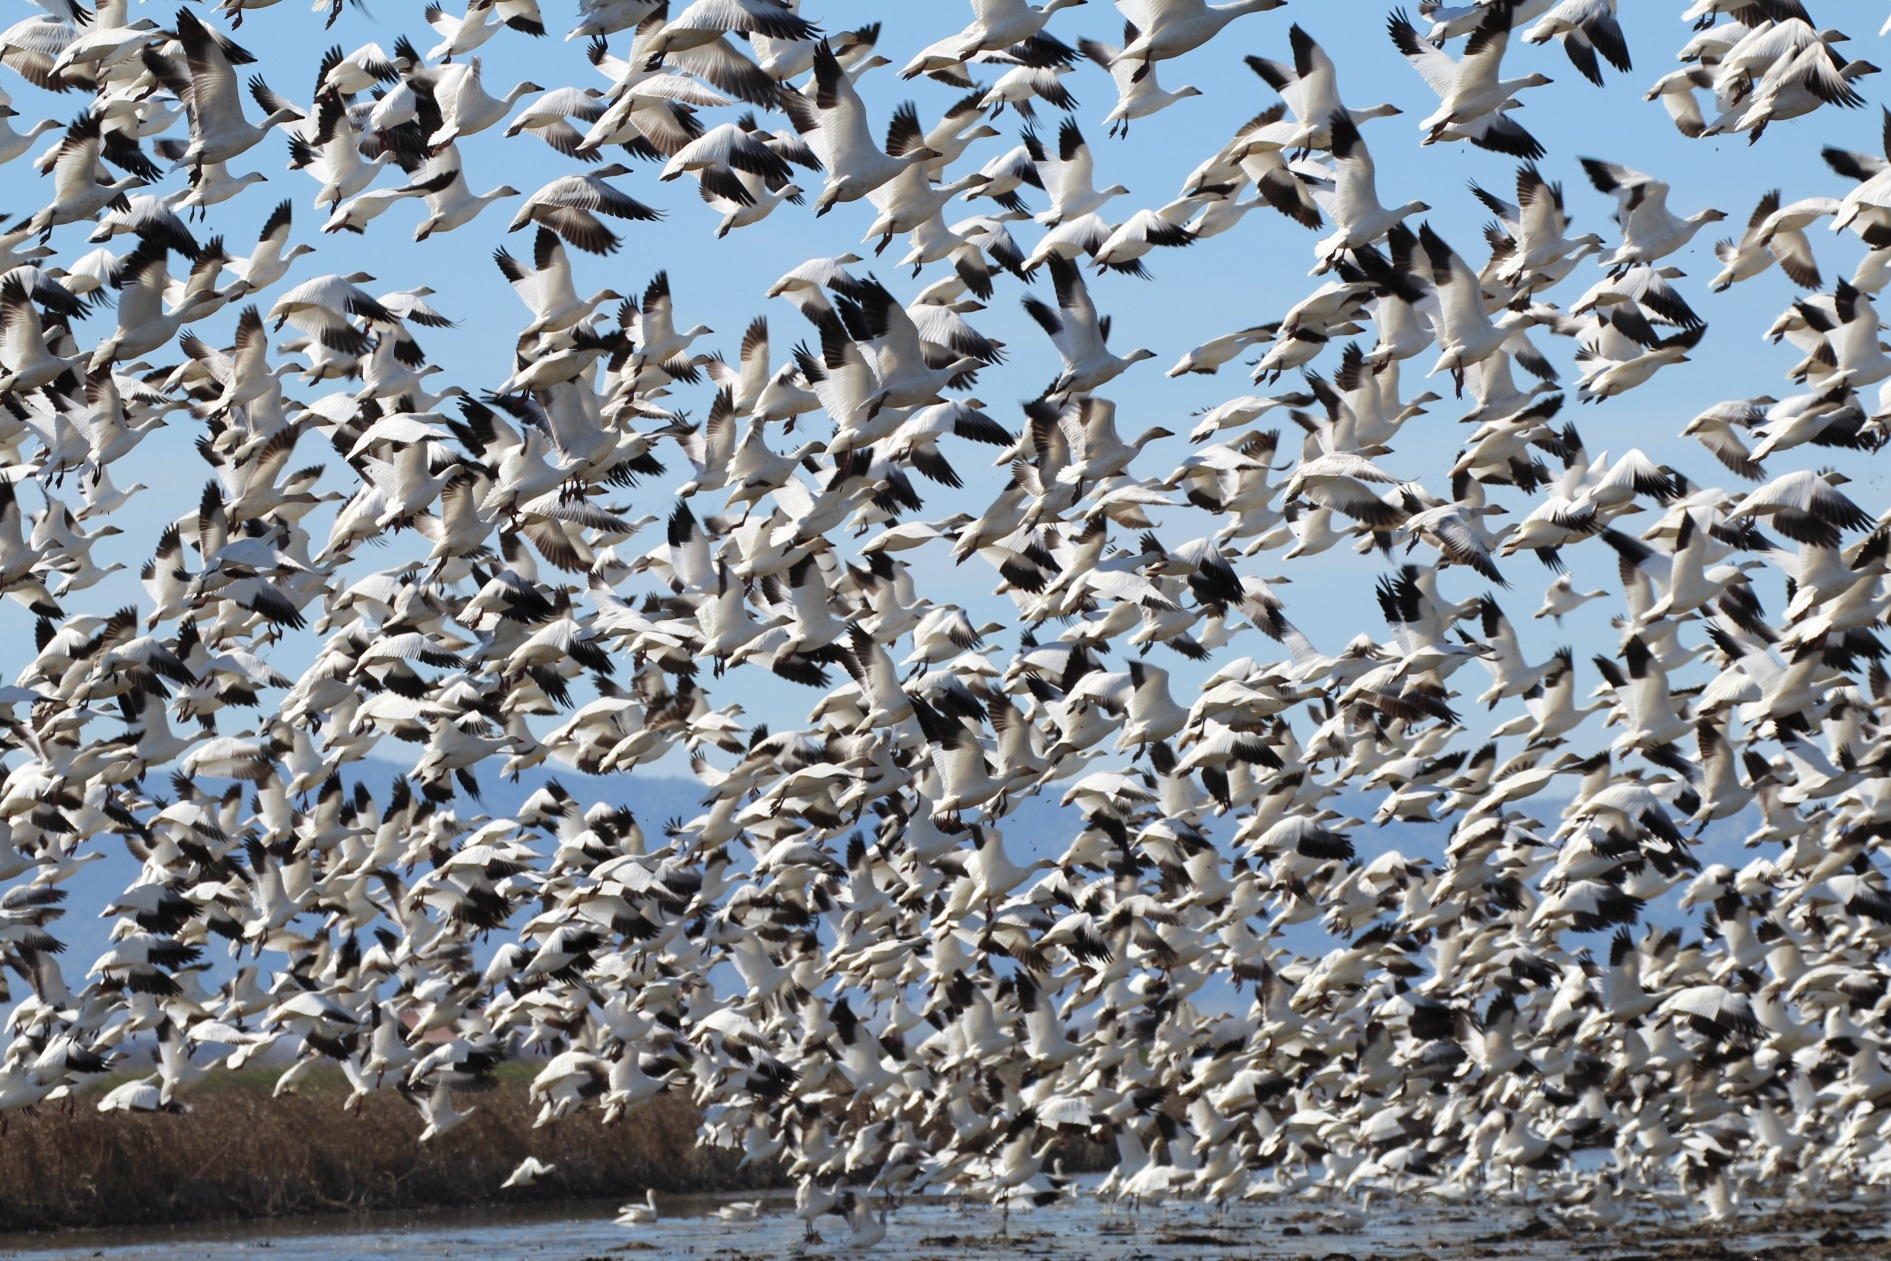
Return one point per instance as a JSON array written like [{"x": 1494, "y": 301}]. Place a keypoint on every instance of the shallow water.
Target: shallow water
[{"x": 935, "y": 1230}]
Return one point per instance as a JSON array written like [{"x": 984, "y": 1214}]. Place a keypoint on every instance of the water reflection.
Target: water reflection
[{"x": 1082, "y": 1231}]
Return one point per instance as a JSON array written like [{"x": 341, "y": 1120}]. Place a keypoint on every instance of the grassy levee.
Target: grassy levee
[{"x": 240, "y": 1153}]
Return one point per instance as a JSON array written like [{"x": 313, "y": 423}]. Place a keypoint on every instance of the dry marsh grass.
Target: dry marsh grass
[{"x": 240, "y": 1153}]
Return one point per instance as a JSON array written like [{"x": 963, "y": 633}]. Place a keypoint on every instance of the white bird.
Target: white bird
[
  {"x": 1173, "y": 27},
  {"x": 528, "y": 1172},
  {"x": 1359, "y": 218},
  {"x": 218, "y": 129},
  {"x": 634, "y": 1214},
  {"x": 1472, "y": 97},
  {"x": 1078, "y": 334},
  {"x": 1649, "y": 229}
]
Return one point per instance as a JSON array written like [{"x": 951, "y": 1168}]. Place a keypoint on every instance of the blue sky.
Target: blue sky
[{"x": 1243, "y": 277}]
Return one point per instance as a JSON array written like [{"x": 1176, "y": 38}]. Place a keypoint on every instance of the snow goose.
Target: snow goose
[
  {"x": 743, "y": 199},
  {"x": 1137, "y": 96},
  {"x": 1500, "y": 402},
  {"x": 26, "y": 361},
  {"x": 1852, "y": 339},
  {"x": 1070, "y": 179},
  {"x": 325, "y": 306},
  {"x": 1715, "y": 428},
  {"x": 1174, "y": 27},
  {"x": 813, "y": 1201},
  {"x": 1220, "y": 213},
  {"x": 548, "y": 289},
  {"x": 1539, "y": 226},
  {"x": 1806, "y": 507},
  {"x": 347, "y": 74},
  {"x": 461, "y": 35},
  {"x": 355, "y": 215},
  {"x": 1472, "y": 99},
  {"x": 1037, "y": 69},
  {"x": 958, "y": 129},
  {"x": 1466, "y": 333},
  {"x": 607, "y": 17},
  {"x": 527, "y": 1173},
  {"x": 917, "y": 438},
  {"x": 80, "y": 190},
  {"x": 244, "y": 374},
  {"x": 635, "y": 1214},
  {"x": 103, "y": 45},
  {"x": 1772, "y": 236},
  {"x": 965, "y": 780},
  {"x": 996, "y": 25},
  {"x": 1647, "y": 702},
  {"x": 218, "y": 130},
  {"x": 1078, "y": 334},
  {"x": 1124, "y": 248},
  {"x": 466, "y": 107},
  {"x": 143, "y": 324},
  {"x": 1829, "y": 419},
  {"x": 570, "y": 206},
  {"x": 834, "y": 121},
  {"x": 784, "y": 59},
  {"x": 642, "y": 118},
  {"x": 1646, "y": 287},
  {"x": 1794, "y": 86},
  {"x": 907, "y": 376},
  {"x": 1457, "y": 532},
  {"x": 1615, "y": 361},
  {"x": 1690, "y": 584},
  {"x": 270, "y": 260},
  {"x": 1310, "y": 87},
  {"x": 450, "y": 203},
  {"x": 1783, "y": 232},
  {"x": 548, "y": 116},
  {"x": 909, "y": 200},
  {"x": 1649, "y": 229},
  {"x": 149, "y": 218},
  {"x": 1358, "y": 217},
  {"x": 738, "y": 146},
  {"x": 31, "y": 46},
  {"x": 1863, "y": 168},
  {"x": 1675, "y": 91},
  {"x": 1584, "y": 28},
  {"x": 1209, "y": 357},
  {"x": 706, "y": 21},
  {"x": 14, "y": 143},
  {"x": 211, "y": 183},
  {"x": 332, "y": 155},
  {"x": 142, "y": 1094},
  {"x": 1337, "y": 481},
  {"x": 710, "y": 56},
  {"x": 1010, "y": 171},
  {"x": 746, "y": 382},
  {"x": 652, "y": 325}
]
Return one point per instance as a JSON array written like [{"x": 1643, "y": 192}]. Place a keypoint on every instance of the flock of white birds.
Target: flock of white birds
[{"x": 839, "y": 960}]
